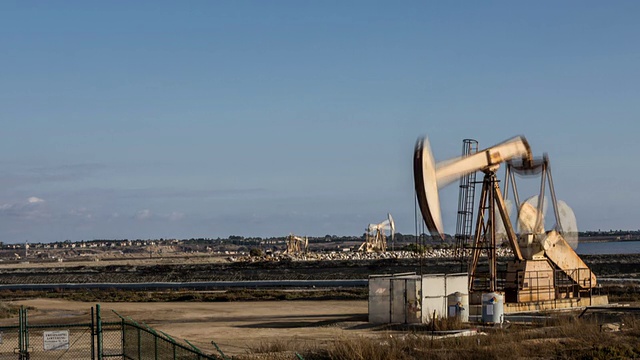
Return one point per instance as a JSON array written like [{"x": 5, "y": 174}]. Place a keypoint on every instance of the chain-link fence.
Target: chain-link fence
[
  {"x": 9, "y": 342},
  {"x": 144, "y": 343},
  {"x": 111, "y": 340},
  {"x": 124, "y": 339},
  {"x": 63, "y": 342}
]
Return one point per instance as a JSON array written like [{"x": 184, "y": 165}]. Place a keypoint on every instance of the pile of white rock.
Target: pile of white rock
[{"x": 344, "y": 255}]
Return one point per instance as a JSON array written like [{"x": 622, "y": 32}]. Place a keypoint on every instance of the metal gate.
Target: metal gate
[
  {"x": 47, "y": 341},
  {"x": 93, "y": 340}
]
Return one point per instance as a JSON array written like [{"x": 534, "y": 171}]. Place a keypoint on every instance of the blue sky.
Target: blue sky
[{"x": 206, "y": 119}]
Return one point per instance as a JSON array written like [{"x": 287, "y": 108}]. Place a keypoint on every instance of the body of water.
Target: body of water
[{"x": 606, "y": 248}]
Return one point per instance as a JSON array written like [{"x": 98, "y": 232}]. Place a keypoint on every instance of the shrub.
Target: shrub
[{"x": 256, "y": 252}]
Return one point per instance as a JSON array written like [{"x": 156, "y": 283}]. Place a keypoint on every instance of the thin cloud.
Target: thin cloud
[
  {"x": 81, "y": 213},
  {"x": 144, "y": 214},
  {"x": 99, "y": 195},
  {"x": 175, "y": 216},
  {"x": 31, "y": 208}
]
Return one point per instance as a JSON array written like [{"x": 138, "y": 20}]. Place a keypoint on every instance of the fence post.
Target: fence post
[
  {"x": 93, "y": 335},
  {"x": 198, "y": 351},
  {"x": 224, "y": 357},
  {"x": 26, "y": 334},
  {"x": 99, "y": 330}
]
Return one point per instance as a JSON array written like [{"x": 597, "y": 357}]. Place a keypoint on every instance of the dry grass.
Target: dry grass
[
  {"x": 8, "y": 310},
  {"x": 274, "y": 347},
  {"x": 624, "y": 292},
  {"x": 567, "y": 338}
]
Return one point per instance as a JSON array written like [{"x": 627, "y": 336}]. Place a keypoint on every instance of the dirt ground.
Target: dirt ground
[
  {"x": 235, "y": 326},
  {"x": 119, "y": 261}
]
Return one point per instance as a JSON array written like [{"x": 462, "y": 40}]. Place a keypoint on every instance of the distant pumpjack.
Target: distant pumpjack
[
  {"x": 296, "y": 244},
  {"x": 375, "y": 237}
]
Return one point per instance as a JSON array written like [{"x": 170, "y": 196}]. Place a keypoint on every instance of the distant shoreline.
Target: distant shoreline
[{"x": 606, "y": 240}]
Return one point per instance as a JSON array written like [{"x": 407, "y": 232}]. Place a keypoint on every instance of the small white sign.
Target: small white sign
[{"x": 56, "y": 340}]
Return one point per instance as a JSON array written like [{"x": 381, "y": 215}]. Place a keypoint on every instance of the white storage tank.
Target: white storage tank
[
  {"x": 458, "y": 306},
  {"x": 492, "y": 308}
]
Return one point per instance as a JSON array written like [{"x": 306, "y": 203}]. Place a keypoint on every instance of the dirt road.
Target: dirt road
[{"x": 234, "y": 326}]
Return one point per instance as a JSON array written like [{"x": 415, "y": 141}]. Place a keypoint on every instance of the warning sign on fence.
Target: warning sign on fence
[{"x": 56, "y": 340}]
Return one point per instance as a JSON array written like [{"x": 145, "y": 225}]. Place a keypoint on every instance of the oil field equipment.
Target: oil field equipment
[
  {"x": 544, "y": 269},
  {"x": 375, "y": 236},
  {"x": 296, "y": 244}
]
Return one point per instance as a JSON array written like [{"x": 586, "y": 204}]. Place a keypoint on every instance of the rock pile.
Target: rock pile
[{"x": 348, "y": 255}]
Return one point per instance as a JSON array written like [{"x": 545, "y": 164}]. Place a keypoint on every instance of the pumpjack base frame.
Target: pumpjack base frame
[{"x": 544, "y": 305}]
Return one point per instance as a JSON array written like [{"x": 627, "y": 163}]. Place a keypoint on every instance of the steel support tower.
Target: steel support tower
[{"x": 466, "y": 200}]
